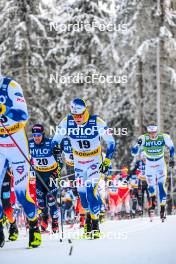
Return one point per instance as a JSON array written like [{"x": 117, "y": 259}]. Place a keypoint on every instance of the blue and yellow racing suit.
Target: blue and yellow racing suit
[
  {"x": 86, "y": 144},
  {"x": 14, "y": 116}
]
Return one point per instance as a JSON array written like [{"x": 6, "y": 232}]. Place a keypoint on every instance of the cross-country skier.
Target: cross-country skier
[
  {"x": 68, "y": 203},
  {"x": 136, "y": 194},
  {"x": 68, "y": 156},
  {"x": 13, "y": 119},
  {"x": 143, "y": 186},
  {"x": 123, "y": 193},
  {"x": 46, "y": 166},
  {"x": 67, "y": 151},
  {"x": 113, "y": 196},
  {"x": 153, "y": 144},
  {"x": 85, "y": 132}
]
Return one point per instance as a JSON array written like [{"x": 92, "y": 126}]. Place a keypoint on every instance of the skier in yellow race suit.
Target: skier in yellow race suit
[
  {"x": 13, "y": 119},
  {"x": 85, "y": 132}
]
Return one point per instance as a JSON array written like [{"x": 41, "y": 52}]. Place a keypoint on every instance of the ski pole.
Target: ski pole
[
  {"x": 60, "y": 201},
  {"x": 61, "y": 211},
  {"x": 171, "y": 188}
]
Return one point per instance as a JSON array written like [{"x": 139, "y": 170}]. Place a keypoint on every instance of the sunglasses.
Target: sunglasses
[
  {"x": 78, "y": 115},
  {"x": 37, "y": 134}
]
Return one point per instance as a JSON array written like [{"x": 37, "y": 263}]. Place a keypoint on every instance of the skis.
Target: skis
[{"x": 151, "y": 216}]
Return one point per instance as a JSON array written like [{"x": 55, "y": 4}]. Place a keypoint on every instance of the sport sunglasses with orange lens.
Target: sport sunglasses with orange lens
[{"x": 78, "y": 115}]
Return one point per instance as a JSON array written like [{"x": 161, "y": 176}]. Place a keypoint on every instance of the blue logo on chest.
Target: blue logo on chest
[
  {"x": 42, "y": 150},
  {"x": 87, "y": 131}
]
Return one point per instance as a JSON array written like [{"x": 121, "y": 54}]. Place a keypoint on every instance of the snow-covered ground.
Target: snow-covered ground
[{"x": 134, "y": 241}]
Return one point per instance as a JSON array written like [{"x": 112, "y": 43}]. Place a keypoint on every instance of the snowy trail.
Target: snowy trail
[{"x": 134, "y": 241}]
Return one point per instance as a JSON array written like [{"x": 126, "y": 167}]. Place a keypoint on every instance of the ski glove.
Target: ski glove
[
  {"x": 139, "y": 142},
  {"x": 54, "y": 174},
  {"x": 105, "y": 165},
  {"x": 2, "y": 109},
  {"x": 57, "y": 151},
  {"x": 171, "y": 162}
]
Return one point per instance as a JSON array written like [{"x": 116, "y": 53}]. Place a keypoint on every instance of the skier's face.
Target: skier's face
[
  {"x": 37, "y": 138},
  {"x": 124, "y": 172},
  {"x": 153, "y": 135},
  {"x": 79, "y": 119}
]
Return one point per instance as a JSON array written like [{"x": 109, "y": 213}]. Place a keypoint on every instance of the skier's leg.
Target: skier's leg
[
  {"x": 139, "y": 197},
  {"x": 151, "y": 181},
  {"x": 134, "y": 201},
  {"x": 54, "y": 212},
  {"x": 3, "y": 168},
  {"x": 80, "y": 175},
  {"x": 112, "y": 206},
  {"x": 21, "y": 172},
  {"x": 5, "y": 195},
  {"x": 127, "y": 205},
  {"x": 95, "y": 196},
  {"x": 162, "y": 176},
  {"x": 119, "y": 208},
  {"x": 41, "y": 194},
  {"x": 94, "y": 190},
  {"x": 8, "y": 209}
]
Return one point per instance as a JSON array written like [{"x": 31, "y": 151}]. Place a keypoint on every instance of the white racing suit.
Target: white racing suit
[
  {"x": 155, "y": 169},
  {"x": 14, "y": 119},
  {"x": 156, "y": 173},
  {"x": 86, "y": 145}
]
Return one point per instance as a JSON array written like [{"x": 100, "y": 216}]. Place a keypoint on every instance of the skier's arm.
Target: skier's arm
[
  {"x": 169, "y": 143},
  {"x": 138, "y": 146},
  {"x": 18, "y": 111},
  {"x": 107, "y": 137},
  {"x": 61, "y": 131}
]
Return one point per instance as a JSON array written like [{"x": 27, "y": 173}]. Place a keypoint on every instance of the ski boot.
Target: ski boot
[
  {"x": 2, "y": 237},
  {"x": 127, "y": 216},
  {"x": 87, "y": 226},
  {"x": 13, "y": 231},
  {"x": 55, "y": 226},
  {"x": 162, "y": 213},
  {"x": 112, "y": 216},
  {"x": 118, "y": 216},
  {"x": 44, "y": 223},
  {"x": 139, "y": 211},
  {"x": 133, "y": 213},
  {"x": 34, "y": 234},
  {"x": 5, "y": 221},
  {"x": 151, "y": 210},
  {"x": 95, "y": 229},
  {"x": 102, "y": 216}
]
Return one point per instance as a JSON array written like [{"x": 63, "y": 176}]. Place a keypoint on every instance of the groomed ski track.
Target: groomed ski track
[{"x": 123, "y": 242}]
